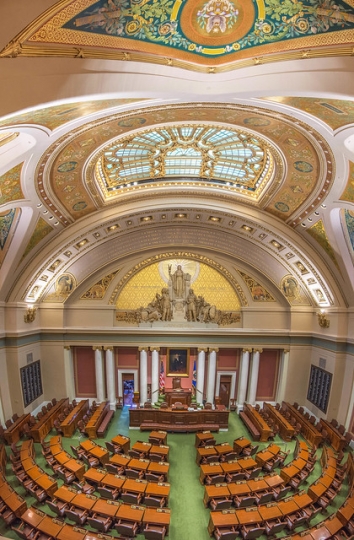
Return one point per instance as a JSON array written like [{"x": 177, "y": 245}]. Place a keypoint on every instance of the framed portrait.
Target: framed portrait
[{"x": 177, "y": 362}]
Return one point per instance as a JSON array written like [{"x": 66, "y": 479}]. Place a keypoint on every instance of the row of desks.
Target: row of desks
[
  {"x": 222, "y": 468},
  {"x": 259, "y": 514},
  {"x": 13, "y": 433},
  {"x": 33, "y": 471},
  {"x": 9, "y": 496},
  {"x": 286, "y": 430},
  {"x": 94, "y": 423},
  {"x": 69, "y": 424},
  {"x": 41, "y": 429},
  {"x": 308, "y": 430},
  {"x": 258, "y": 421},
  {"x": 240, "y": 489},
  {"x": 56, "y": 528}
]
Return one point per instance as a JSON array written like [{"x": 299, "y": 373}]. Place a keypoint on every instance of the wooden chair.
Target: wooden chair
[
  {"x": 76, "y": 514},
  {"x": 234, "y": 477},
  {"x": 273, "y": 527},
  {"x": 100, "y": 523},
  {"x": 225, "y": 533},
  {"x": 243, "y": 502},
  {"x": 220, "y": 504},
  {"x": 154, "y": 532},
  {"x": 131, "y": 498},
  {"x": 108, "y": 493},
  {"x": 126, "y": 528},
  {"x": 250, "y": 532},
  {"x": 58, "y": 507},
  {"x": 156, "y": 502}
]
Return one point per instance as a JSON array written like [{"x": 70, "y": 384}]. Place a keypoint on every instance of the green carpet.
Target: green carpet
[{"x": 189, "y": 518}]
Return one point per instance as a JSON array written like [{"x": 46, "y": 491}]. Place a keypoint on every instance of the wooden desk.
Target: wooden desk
[
  {"x": 13, "y": 433},
  {"x": 139, "y": 464},
  {"x": 158, "y": 489},
  {"x": 96, "y": 451},
  {"x": 289, "y": 472},
  {"x": 223, "y": 448},
  {"x": 113, "y": 481},
  {"x": 248, "y": 516},
  {"x": 288, "y": 506},
  {"x": 257, "y": 484},
  {"x": 338, "y": 441},
  {"x": 69, "y": 424},
  {"x": 175, "y": 395},
  {"x": 83, "y": 501},
  {"x": 50, "y": 526},
  {"x": 230, "y": 467},
  {"x": 33, "y": 516},
  {"x": 70, "y": 532},
  {"x": 286, "y": 430},
  {"x": 333, "y": 524},
  {"x": 134, "y": 486},
  {"x": 41, "y": 429},
  {"x": 226, "y": 518},
  {"x": 161, "y": 450},
  {"x": 94, "y": 423},
  {"x": 106, "y": 508},
  {"x": 302, "y": 500},
  {"x": 240, "y": 444},
  {"x": 209, "y": 470},
  {"x": 270, "y": 511},
  {"x": 274, "y": 480},
  {"x": 308, "y": 431},
  {"x": 202, "y": 437},
  {"x": 218, "y": 491},
  {"x": 259, "y": 422},
  {"x": 160, "y": 435},
  {"x": 16, "y": 503},
  {"x": 119, "y": 460},
  {"x": 158, "y": 516},
  {"x": 178, "y": 420},
  {"x": 316, "y": 491},
  {"x": 239, "y": 489},
  {"x": 130, "y": 513},
  {"x": 161, "y": 467},
  {"x": 48, "y": 484},
  {"x": 142, "y": 447},
  {"x": 65, "y": 494},
  {"x": 247, "y": 463},
  {"x": 123, "y": 441},
  {"x": 95, "y": 475}
]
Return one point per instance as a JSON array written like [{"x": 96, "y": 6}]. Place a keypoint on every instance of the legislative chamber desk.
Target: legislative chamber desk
[
  {"x": 286, "y": 430},
  {"x": 41, "y": 429},
  {"x": 308, "y": 430},
  {"x": 69, "y": 424},
  {"x": 175, "y": 395},
  {"x": 178, "y": 420},
  {"x": 13, "y": 433}
]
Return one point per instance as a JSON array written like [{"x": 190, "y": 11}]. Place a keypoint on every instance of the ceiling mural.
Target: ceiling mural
[
  {"x": 76, "y": 156},
  {"x": 99, "y": 289},
  {"x": 10, "y": 185},
  {"x": 40, "y": 232},
  {"x": 199, "y": 32},
  {"x": 318, "y": 232},
  {"x": 257, "y": 291},
  {"x": 335, "y": 113},
  {"x": 348, "y": 193},
  {"x": 347, "y": 218},
  {"x": 58, "y": 115},
  {"x": 8, "y": 224}
]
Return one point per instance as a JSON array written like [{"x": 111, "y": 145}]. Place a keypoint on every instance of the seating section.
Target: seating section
[
  {"x": 103, "y": 427},
  {"x": 179, "y": 428},
  {"x": 254, "y": 431}
]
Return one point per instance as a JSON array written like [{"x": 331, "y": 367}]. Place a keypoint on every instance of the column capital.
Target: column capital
[
  {"x": 96, "y": 348},
  {"x": 109, "y": 348},
  {"x": 67, "y": 347},
  {"x": 202, "y": 349},
  {"x": 214, "y": 349},
  {"x": 286, "y": 351},
  {"x": 153, "y": 348},
  {"x": 247, "y": 350},
  {"x": 141, "y": 349},
  {"x": 258, "y": 350}
]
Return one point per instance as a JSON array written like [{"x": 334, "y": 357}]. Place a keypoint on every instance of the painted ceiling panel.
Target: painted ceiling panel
[{"x": 194, "y": 32}]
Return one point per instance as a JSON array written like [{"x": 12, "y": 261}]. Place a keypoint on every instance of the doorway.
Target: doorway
[
  {"x": 128, "y": 389},
  {"x": 225, "y": 390}
]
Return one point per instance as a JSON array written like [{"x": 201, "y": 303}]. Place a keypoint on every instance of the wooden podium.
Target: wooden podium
[{"x": 177, "y": 393}]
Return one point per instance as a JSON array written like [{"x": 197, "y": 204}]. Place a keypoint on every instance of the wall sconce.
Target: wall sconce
[
  {"x": 323, "y": 320},
  {"x": 30, "y": 314}
]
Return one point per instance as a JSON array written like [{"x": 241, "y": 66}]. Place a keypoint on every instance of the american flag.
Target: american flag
[{"x": 162, "y": 376}]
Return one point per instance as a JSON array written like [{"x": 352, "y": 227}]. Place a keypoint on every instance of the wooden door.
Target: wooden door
[{"x": 224, "y": 390}]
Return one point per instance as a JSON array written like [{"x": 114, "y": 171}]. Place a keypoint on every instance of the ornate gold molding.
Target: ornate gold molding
[
  {"x": 157, "y": 349},
  {"x": 249, "y": 350},
  {"x": 213, "y": 349},
  {"x": 109, "y": 348},
  {"x": 141, "y": 349},
  {"x": 258, "y": 351},
  {"x": 202, "y": 349},
  {"x": 96, "y": 348}
]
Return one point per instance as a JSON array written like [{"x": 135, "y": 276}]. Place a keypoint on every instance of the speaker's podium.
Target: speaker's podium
[{"x": 177, "y": 393}]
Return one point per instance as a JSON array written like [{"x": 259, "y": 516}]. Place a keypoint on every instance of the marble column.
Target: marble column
[
  {"x": 211, "y": 375},
  {"x": 143, "y": 374},
  {"x": 110, "y": 378},
  {"x": 242, "y": 387},
  {"x": 69, "y": 373},
  {"x": 100, "y": 392},
  {"x": 254, "y": 377},
  {"x": 200, "y": 375},
  {"x": 284, "y": 363},
  {"x": 155, "y": 373}
]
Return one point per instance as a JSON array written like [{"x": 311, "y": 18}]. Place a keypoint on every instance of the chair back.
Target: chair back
[{"x": 126, "y": 528}]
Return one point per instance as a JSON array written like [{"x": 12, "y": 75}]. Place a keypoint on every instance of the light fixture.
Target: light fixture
[
  {"x": 323, "y": 320},
  {"x": 30, "y": 314}
]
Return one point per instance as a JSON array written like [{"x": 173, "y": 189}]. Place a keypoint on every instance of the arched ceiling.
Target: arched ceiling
[{"x": 274, "y": 202}]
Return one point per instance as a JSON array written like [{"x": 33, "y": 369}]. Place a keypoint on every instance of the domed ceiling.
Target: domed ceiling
[{"x": 97, "y": 193}]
